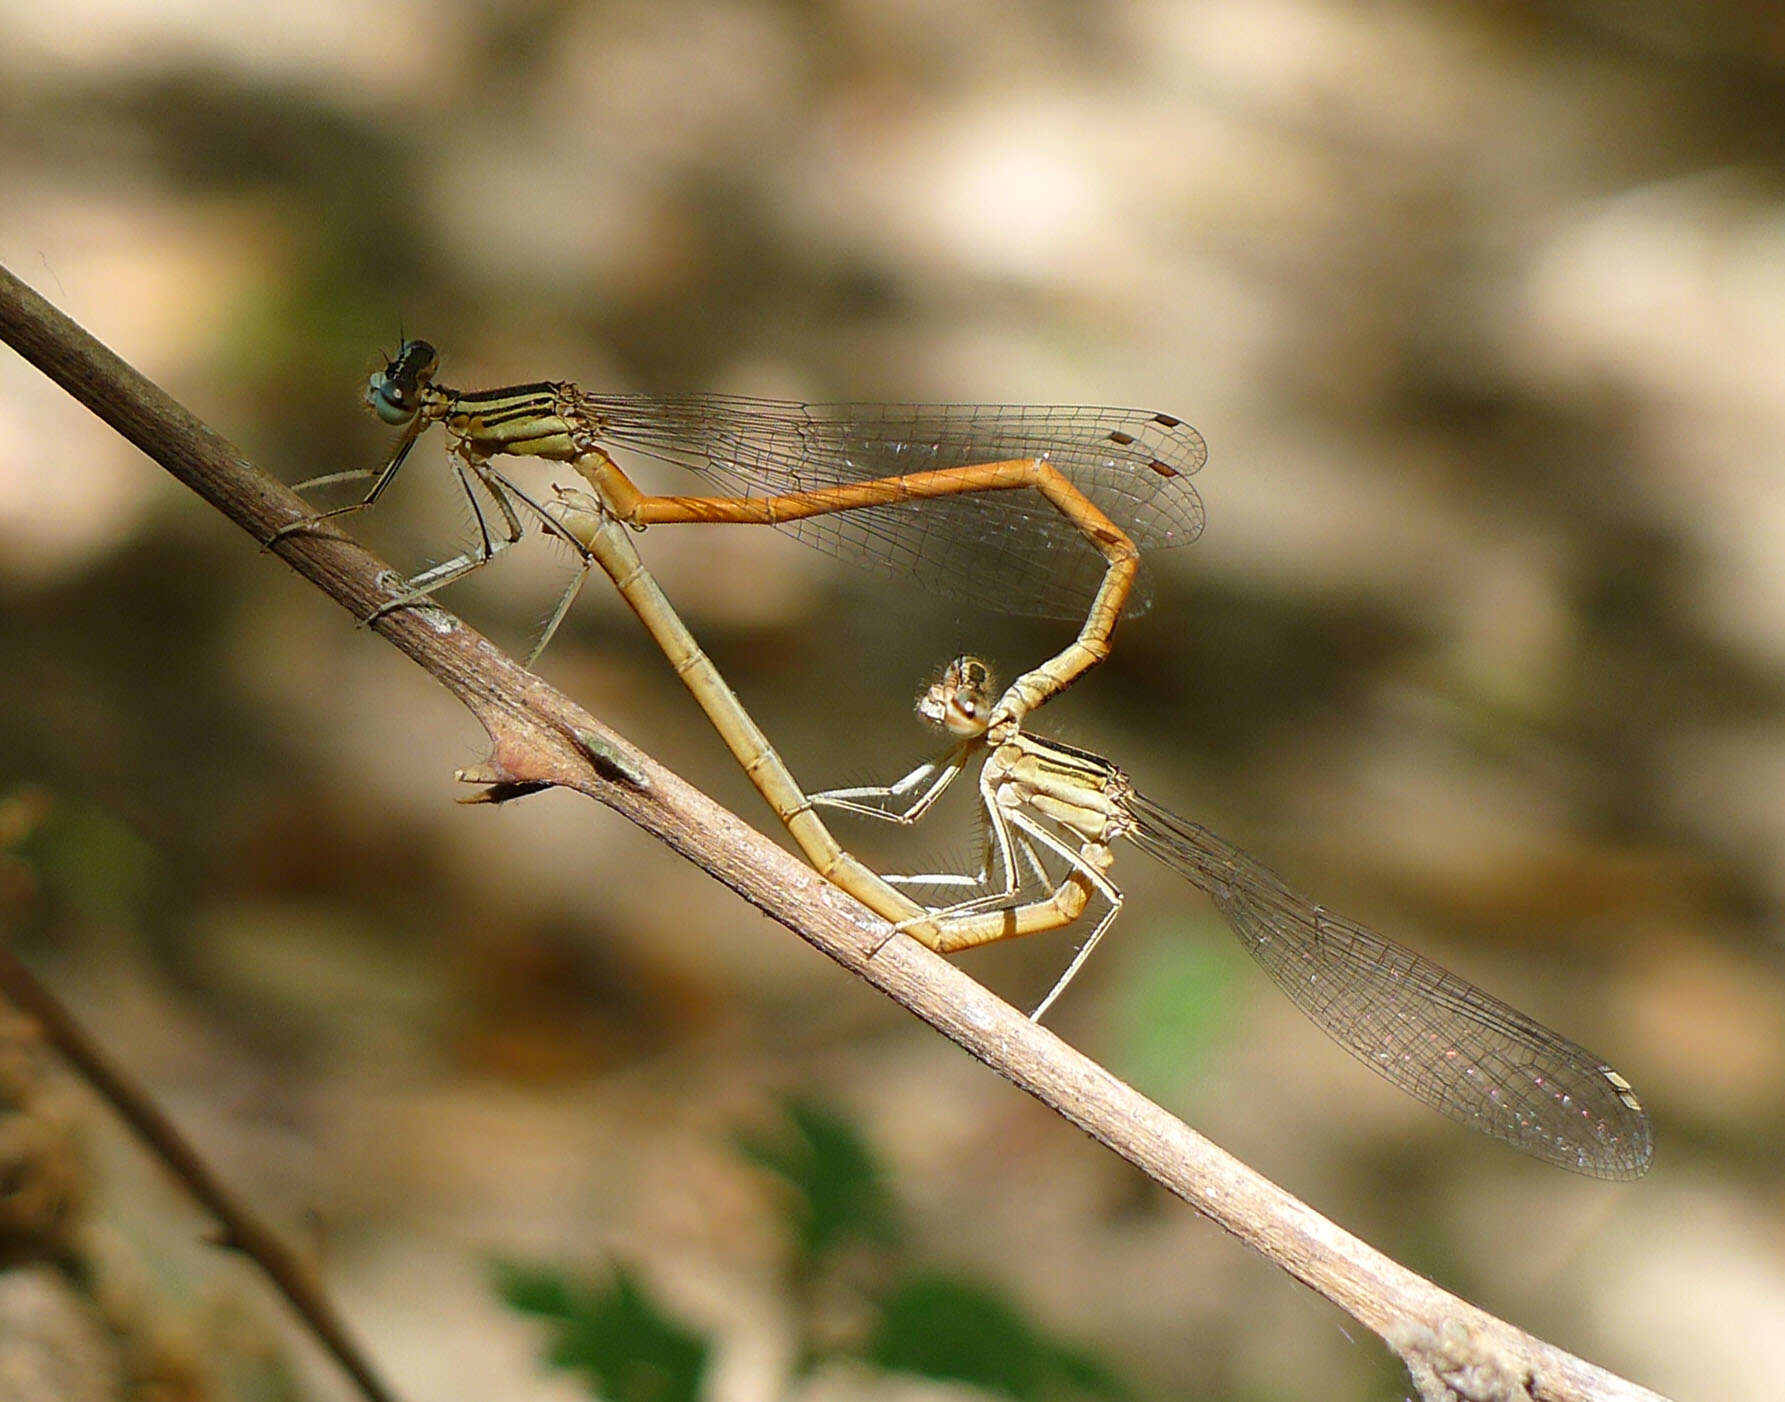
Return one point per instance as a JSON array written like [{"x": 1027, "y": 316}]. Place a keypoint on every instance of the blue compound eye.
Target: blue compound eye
[
  {"x": 388, "y": 400},
  {"x": 395, "y": 391}
]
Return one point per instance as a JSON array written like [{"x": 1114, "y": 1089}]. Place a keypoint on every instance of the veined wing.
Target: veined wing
[
  {"x": 1010, "y": 550},
  {"x": 1433, "y": 1034}
]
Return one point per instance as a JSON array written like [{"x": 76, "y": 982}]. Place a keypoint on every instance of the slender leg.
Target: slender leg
[
  {"x": 874, "y": 800},
  {"x": 474, "y": 472},
  {"x": 1093, "y": 861},
  {"x": 383, "y": 477},
  {"x": 1005, "y": 914},
  {"x": 436, "y": 577},
  {"x": 861, "y": 800}
]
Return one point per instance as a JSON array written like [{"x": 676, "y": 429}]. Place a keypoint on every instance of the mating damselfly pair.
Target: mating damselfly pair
[{"x": 1042, "y": 511}]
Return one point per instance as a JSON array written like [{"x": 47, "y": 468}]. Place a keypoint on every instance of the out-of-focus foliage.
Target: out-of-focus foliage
[
  {"x": 837, "y": 1192},
  {"x": 909, "y": 1319},
  {"x": 1180, "y": 1009},
  {"x": 946, "y": 1328},
  {"x": 612, "y": 1334}
]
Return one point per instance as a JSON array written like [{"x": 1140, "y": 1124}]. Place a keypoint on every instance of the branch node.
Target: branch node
[
  {"x": 611, "y": 762},
  {"x": 1459, "y": 1364}
]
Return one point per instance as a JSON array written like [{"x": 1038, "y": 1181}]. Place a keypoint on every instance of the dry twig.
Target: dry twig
[{"x": 539, "y": 738}]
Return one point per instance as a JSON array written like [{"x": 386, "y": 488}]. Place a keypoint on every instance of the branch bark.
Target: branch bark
[{"x": 539, "y": 738}]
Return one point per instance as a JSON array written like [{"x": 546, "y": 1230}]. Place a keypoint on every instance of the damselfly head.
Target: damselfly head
[
  {"x": 394, "y": 393},
  {"x": 960, "y": 700}
]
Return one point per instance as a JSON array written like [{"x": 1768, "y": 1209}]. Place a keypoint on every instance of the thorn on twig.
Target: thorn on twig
[
  {"x": 503, "y": 791},
  {"x": 501, "y": 783},
  {"x": 504, "y": 781}
]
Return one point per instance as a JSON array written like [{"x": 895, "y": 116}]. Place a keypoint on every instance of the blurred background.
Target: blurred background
[{"x": 1481, "y": 309}]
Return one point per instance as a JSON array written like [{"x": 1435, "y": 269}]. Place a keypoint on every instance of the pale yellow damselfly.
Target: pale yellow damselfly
[
  {"x": 1033, "y": 510},
  {"x": 1052, "y": 812}
]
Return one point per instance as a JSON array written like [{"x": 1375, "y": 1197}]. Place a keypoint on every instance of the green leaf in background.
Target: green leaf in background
[
  {"x": 97, "y": 865},
  {"x": 628, "y": 1349},
  {"x": 940, "y": 1327},
  {"x": 1177, "y": 1005},
  {"x": 840, "y": 1194}
]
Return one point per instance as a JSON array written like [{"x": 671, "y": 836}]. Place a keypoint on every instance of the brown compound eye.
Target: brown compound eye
[{"x": 958, "y": 698}]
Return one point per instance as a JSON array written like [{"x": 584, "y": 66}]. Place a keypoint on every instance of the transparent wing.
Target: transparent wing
[
  {"x": 1009, "y": 550},
  {"x": 1433, "y": 1034}
]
